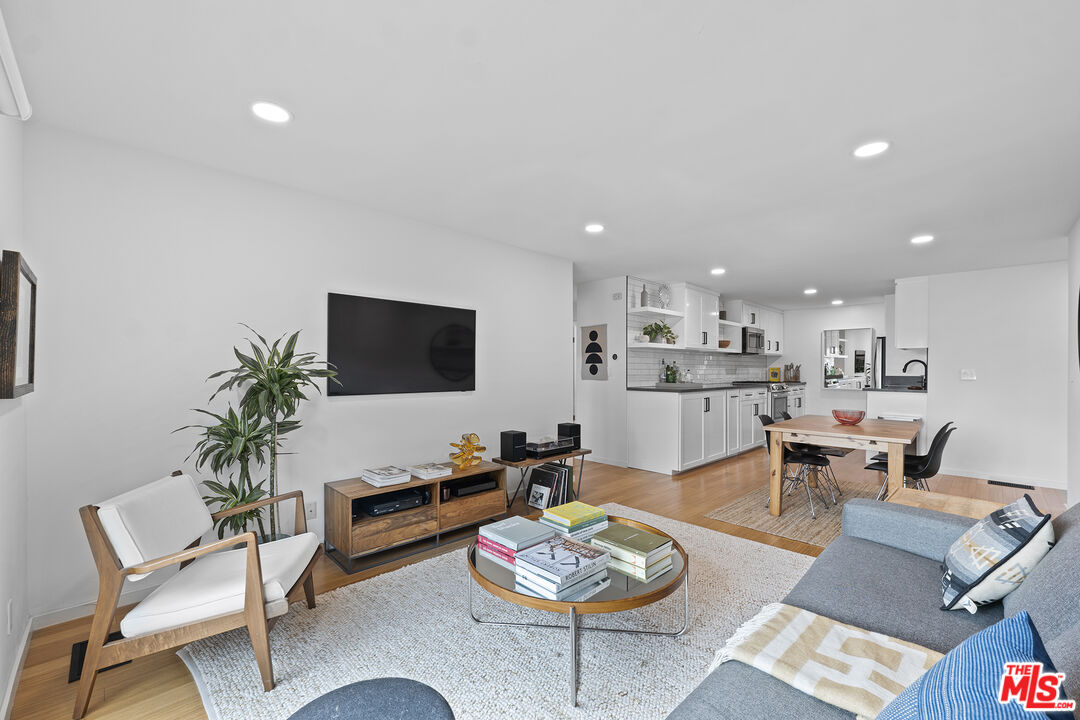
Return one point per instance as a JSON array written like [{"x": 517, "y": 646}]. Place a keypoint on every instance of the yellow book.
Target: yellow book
[{"x": 573, "y": 513}]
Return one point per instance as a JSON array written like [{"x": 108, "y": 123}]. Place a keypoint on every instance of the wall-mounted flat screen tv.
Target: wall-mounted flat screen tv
[{"x": 381, "y": 346}]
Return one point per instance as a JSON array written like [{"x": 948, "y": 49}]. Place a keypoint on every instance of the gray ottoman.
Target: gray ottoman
[{"x": 389, "y": 698}]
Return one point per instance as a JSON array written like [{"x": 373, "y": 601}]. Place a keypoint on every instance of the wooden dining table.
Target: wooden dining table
[{"x": 890, "y": 436}]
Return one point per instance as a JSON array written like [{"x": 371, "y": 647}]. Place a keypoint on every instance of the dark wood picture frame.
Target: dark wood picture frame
[{"x": 13, "y": 269}]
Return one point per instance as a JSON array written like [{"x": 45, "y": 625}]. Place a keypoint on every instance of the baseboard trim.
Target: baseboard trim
[
  {"x": 55, "y": 617},
  {"x": 16, "y": 673},
  {"x": 1009, "y": 479}
]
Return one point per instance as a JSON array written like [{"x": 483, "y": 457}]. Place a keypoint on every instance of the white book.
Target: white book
[
  {"x": 380, "y": 482},
  {"x": 525, "y": 574},
  {"x": 430, "y": 471},
  {"x": 578, "y": 595},
  {"x": 387, "y": 472}
]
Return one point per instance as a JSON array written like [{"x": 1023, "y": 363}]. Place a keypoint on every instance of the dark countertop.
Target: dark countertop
[
  {"x": 892, "y": 389},
  {"x": 706, "y": 387}
]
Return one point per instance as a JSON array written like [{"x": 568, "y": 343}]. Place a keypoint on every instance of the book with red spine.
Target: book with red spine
[{"x": 496, "y": 549}]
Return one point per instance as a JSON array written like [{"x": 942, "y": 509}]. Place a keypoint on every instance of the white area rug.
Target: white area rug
[{"x": 414, "y": 623}]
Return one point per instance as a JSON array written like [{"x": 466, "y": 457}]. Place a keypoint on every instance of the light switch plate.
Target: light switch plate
[
  {"x": 967, "y": 374},
  {"x": 312, "y": 509}
]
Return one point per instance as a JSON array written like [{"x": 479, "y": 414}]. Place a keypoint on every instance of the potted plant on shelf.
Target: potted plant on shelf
[
  {"x": 235, "y": 440},
  {"x": 274, "y": 378},
  {"x": 660, "y": 331}
]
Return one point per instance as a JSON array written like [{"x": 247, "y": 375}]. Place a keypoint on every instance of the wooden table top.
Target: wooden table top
[
  {"x": 531, "y": 461},
  {"x": 955, "y": 504},
  {"x": 889, "y": 431}
]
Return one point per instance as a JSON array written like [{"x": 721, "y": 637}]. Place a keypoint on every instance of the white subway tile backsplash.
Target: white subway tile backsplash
[{"x": 643, "y": 366}]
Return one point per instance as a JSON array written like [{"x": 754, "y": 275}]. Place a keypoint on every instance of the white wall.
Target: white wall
[
  {"x": 600, "y": 405},
  {"x": 13, "y": 500},
  {"x": 802, "y": 332},
  {"x": 1073, "y": 426},
  {"x": 1006, "y": 325},
  {"x": 147, "y": 264}
]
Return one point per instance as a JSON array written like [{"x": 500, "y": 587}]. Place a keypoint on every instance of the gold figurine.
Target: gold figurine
[{"x": 469, "y": 450}]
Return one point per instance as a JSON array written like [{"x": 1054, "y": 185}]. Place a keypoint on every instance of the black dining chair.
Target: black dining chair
[
  {"x": 827, "y": 471},
  {"x": 918, "y": 468},
  {"x": 922, "y": 458},
  {"x": 807, "y": 463}
]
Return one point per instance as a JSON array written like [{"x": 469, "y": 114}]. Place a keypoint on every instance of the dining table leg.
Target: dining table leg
[
  {"x": 776, "y": 470},
  {"x": 896, "y": 467}
]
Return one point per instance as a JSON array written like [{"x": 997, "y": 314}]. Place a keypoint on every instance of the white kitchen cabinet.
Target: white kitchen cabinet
[
  {"x": 911, "y": 317},
  {"x": 715, "y": 425},
  {"x": 758, "y": 316},
  {"x": 774, "y": 331},
  {"x": 691, "y": 430},
  {"x": 751, "y": 404},
  {"x": 797, "y": 406},
  {"x": 733, "y": 420},
  {"x": 702, "y": 310}
]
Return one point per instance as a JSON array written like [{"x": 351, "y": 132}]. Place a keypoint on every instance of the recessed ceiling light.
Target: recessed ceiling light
[
  {"x": 837, "y": 302},
  {"x": 718, "y": 271},
  {"x": 922, "y": 239},
  {"x": 594, "y": 228},
  {"x": 810, "y": 291},
  {"x": 271, "y": 112},
  {"x": 871, "y": 149}
]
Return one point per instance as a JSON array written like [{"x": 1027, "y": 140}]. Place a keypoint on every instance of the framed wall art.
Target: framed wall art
[{"x": 18, "y": 317}]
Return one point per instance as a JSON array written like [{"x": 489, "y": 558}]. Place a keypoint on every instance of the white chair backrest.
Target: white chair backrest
[{"x": 154, "y": 520}]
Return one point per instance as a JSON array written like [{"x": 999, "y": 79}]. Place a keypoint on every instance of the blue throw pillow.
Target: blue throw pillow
[{"x": 967, "y": 682}]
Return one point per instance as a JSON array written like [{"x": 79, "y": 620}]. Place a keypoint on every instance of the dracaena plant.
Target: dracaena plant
[
  {"x": 274, "y": 378},
  {"x": 235, "y": 441}
]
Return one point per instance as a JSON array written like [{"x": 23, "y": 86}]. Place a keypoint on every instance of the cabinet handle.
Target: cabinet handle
[
  {"x": 777, "y": 346},
  {"x": 706, "y": 404},
  {"x": 704, "y": 338}
]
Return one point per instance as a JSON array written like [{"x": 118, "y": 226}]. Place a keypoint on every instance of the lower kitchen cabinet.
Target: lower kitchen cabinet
[{"x": 672, "y": 432}]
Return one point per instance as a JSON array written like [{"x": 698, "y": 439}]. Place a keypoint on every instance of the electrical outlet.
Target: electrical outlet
[
  {"x": 312, "y": 510},
  {"x": 10, "y": 615},
  {"x": 616, "y": 296},
  {"x": 967, "y": 374}
]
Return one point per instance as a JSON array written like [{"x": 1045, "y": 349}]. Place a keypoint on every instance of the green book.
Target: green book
[{"x": 633, "y": 540}]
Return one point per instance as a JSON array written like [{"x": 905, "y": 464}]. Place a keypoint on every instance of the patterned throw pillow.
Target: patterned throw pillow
[
  {"x": 991, "y": 559},
  {"x": 966, "y": 684}
]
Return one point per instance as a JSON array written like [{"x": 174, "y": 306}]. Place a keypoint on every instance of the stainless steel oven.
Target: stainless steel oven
[
  {"x": 753, "y": 341},
  {"x": 780, "y": 401}
]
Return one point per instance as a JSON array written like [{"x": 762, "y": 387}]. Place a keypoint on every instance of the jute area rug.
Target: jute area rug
[
  {"x": 414, "y": 623},
  {"x": 796, "y": 523}
]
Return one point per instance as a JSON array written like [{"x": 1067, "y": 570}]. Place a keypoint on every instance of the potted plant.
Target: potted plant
[
  {"x": 274, "y": 378},
  {"x": 659, "y": 331},
  {"x": 235, "y": 440}
]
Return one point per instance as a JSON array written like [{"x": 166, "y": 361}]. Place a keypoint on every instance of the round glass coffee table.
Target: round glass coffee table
[{"x": 624, "y": 593}]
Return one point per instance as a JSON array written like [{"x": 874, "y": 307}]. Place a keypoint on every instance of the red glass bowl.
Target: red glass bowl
[{"x": 848, "y": 417}]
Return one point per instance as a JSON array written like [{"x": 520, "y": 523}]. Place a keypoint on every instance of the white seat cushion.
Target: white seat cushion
[
  {"x": 214, "y": 585},
  {"x": 154, "y": 520}
]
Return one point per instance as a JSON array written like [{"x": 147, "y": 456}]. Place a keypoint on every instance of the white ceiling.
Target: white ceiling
[{"x": 701, "y": 132}]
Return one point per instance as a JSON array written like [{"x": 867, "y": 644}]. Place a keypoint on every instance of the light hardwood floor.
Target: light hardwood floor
[{"x": 160, "y": 688}]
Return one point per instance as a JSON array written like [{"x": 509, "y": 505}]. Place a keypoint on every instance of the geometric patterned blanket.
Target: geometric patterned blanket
[{"x": 843, "y": 665}]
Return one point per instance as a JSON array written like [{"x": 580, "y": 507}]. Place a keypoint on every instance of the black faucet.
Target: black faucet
[{"x": 926, "y": 370}]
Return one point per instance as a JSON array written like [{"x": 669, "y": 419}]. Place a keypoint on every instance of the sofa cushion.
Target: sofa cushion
[
  {"x": 735, "y": 690},
  {"x": 966, "y": 684},
  {"x": 993, "y": 558},
  {"x": 214, "y": 585},
  {"x": 1049, "y": 594},
  {"x": 154, "y": 520},
  {"x": 885, "y": 590}
]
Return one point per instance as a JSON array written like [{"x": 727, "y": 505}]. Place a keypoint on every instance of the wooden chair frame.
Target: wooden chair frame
[{"x": 111, "y": 574}]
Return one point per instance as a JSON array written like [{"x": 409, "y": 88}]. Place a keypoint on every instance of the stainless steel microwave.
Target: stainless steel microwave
[{"x": 753, "y": 341}]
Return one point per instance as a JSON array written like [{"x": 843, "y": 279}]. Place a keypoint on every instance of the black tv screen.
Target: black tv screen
[{"x": 386, "y": 346}]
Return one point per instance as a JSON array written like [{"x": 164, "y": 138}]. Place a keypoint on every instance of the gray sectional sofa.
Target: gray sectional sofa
[{"x": 884, "y": 574}]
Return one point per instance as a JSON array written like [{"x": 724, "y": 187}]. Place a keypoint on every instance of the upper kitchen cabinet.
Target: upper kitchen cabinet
[
  {"x": 912, "y": 316},
  {"x": 702, "y": 311},
  {"x": 758, "y": 316}
]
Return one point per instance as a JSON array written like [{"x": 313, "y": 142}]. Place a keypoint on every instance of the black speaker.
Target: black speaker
[
  {"x": 513, "y": 445},
  {"x": 573, "y": 431}
]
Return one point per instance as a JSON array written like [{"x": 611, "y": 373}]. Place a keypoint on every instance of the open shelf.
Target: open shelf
[
  {"x": 654, "y": 312},
  {"x": 730, "y": 323}
]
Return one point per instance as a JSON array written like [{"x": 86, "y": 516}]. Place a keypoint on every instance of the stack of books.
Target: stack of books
[
  {"x": 576, "y": 520},
  {"x": 561, "y": 569},
  {"x": 640, "y": 554},
  {"x": 500, "y": 542},
  {"x": 430, "y": 471},
  {"x": 384, "y": 476}
]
